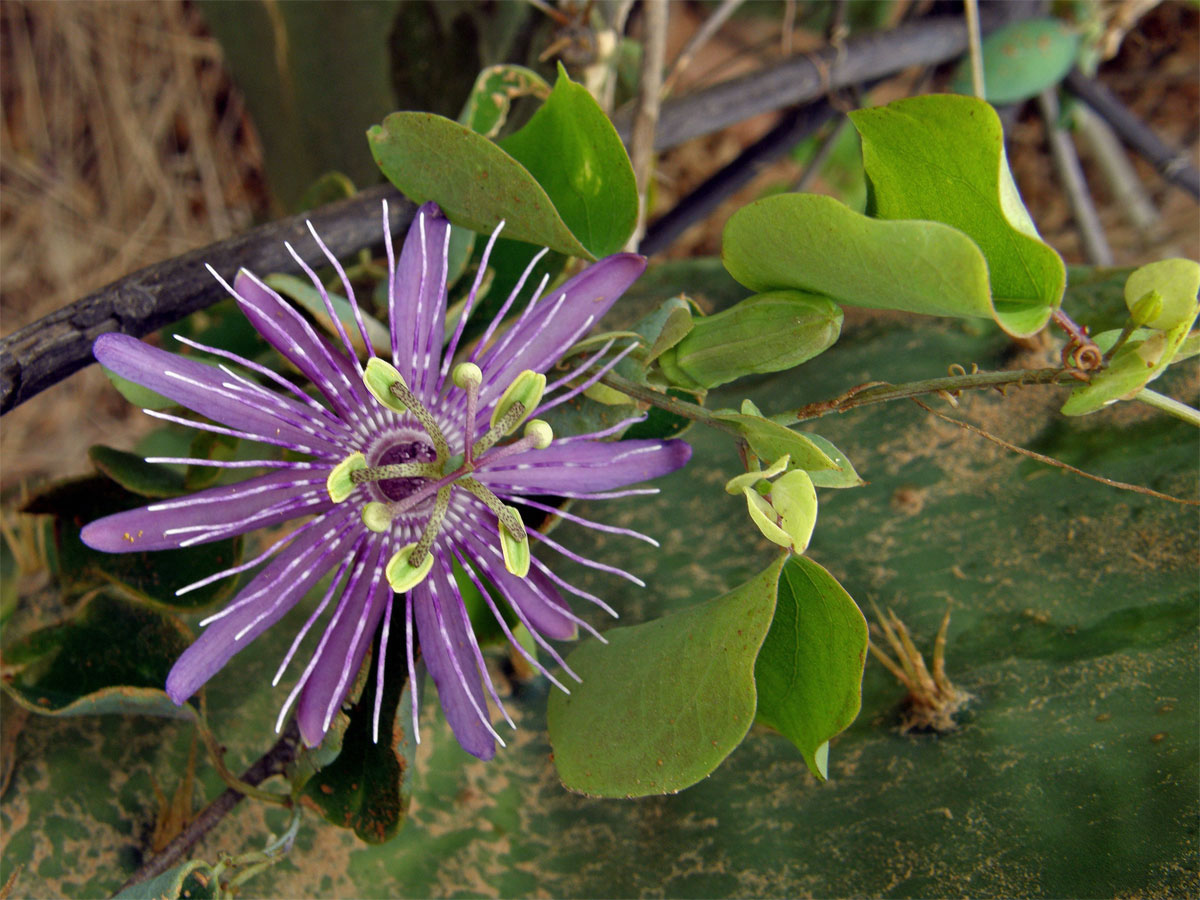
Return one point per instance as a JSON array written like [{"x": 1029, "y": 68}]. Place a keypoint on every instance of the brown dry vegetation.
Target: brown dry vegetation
[{"x": 122, "y": 144}]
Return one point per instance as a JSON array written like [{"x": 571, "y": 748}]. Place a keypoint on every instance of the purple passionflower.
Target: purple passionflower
[{"x": 408, "y": 474}]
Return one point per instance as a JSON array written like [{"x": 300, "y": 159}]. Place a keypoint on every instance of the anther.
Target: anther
[
  {"x": 379, "y": 376},
  {"x": 527, "y": 389},
  {"x": 341, "y": 481},
  {"x": 401, "y": 574}
]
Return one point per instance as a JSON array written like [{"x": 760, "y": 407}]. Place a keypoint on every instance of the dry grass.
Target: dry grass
[{"x": 121, "y": 143}]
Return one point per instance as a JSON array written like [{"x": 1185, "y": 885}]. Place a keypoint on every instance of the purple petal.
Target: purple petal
[
  {"x": 418, "y": 310},
  {"x": 344, "y": 645},
  {"x": 202, "y": 388},
  {"x": 535, "y": 595},
  {"x": 547, "y": 333},
  {"x": 288, "y": 332},
  {"x": 260, "y": 604},
  {"x": 254, "y": 503},
  {"x": 451, "y": 664},
  {"x": 585, "y": 467}
]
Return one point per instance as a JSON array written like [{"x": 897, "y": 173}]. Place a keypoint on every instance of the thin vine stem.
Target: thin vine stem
[{"x": 863, "y": 395}]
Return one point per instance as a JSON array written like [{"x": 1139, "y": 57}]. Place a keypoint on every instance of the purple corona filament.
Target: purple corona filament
[{"x": 412, "y": 469}]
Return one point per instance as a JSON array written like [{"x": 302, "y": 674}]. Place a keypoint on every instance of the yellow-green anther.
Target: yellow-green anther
[
  {"x": 379, "y": 376},
  {"x": 467, "y": 375},
  {"x": 764, "y": 517},
  {"x": 1147, "y": 309},
  {"x": 539, "y": 432},
  {"x": 514, "y": 543},
  {"x": 377, "y": 517},
  {"x": 737, "y": 483},
  {"x": 340, "y": 482},
  {"x": 526, "y": 389},
  {"x": 402, "y": 575},
  {"x": 795, "y": 502}
]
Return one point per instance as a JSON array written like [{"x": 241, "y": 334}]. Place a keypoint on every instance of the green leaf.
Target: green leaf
[
  {"x": 571, "y": 147},
  {"x": 770, "y": 440},
  {"x": 475, "y": 182},
  {"x": 112, "y": 656},
  {"x": 366, "y": 788},
  {"x": 1139, "y": 361},
  {"x": 941, "y": 158},
  {"x": 665, "y": 701},
  {"x": 1021, "y": 59},
  {"x": 136, "y": 394},
  {"x": 301, "y": 290},
  {"x": 152, "y": 576},
  {"x": 209, "y": 445},
  {"x": 809, "y": 671},
  {"x": 312, "y": 74},
  {"x": 1176, "y": 280},
  {"x": 135, "y": 474},
  {"x": 814, "y": 243},
  {"x": 844, "y": 476},
  {"x": 327, "y": 188},
  {"x": 194, "y": 880},
  {"x": 486, "y": 109}
]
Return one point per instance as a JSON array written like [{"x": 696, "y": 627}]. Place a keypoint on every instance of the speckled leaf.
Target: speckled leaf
[
  {"x": 194, "y": 880},
  {"x": 1075, "y": 620},
  {"x": 571, "y": 147},
  {"x": 367, "y": 787},
  {"x": 941, "y": 158},
  {"x": 486, "y": 109},
  {"x": 135, "y": 474},
  {"x": 814, "y": 243},
  {"x": 112, "y": 656},
  {"x": 149, "y": 576},
  {"x": 809, "y": 671},
  {"x": 1021, "y": 59},
  {"x": 475, "y": 182},
  {"x": 664, "y": 702}
]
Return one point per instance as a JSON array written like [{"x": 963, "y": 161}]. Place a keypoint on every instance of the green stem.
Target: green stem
[
  {"x": 1170, "y": 406},
  {"x": 666, "y": 402},
  {"x": 883, "y": 392},
  {"x": 864, "y": 395}
]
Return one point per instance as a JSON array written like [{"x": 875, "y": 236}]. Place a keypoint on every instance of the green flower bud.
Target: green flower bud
[
  {"x": 738, "y": 483},
  {"x": 1176, "y": 281},
  {"x": 340, "y": 482},
  {"x": 379, "y": 376},
  {"x": 1147, "y": 309},
  {"x": 795, "y": 500},
  {"x": 765, "y": 333},
  {"x": 402, "y": 575}
]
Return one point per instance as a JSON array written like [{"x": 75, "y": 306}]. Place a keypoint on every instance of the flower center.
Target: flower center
[{"x": 404, "y": 452}]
